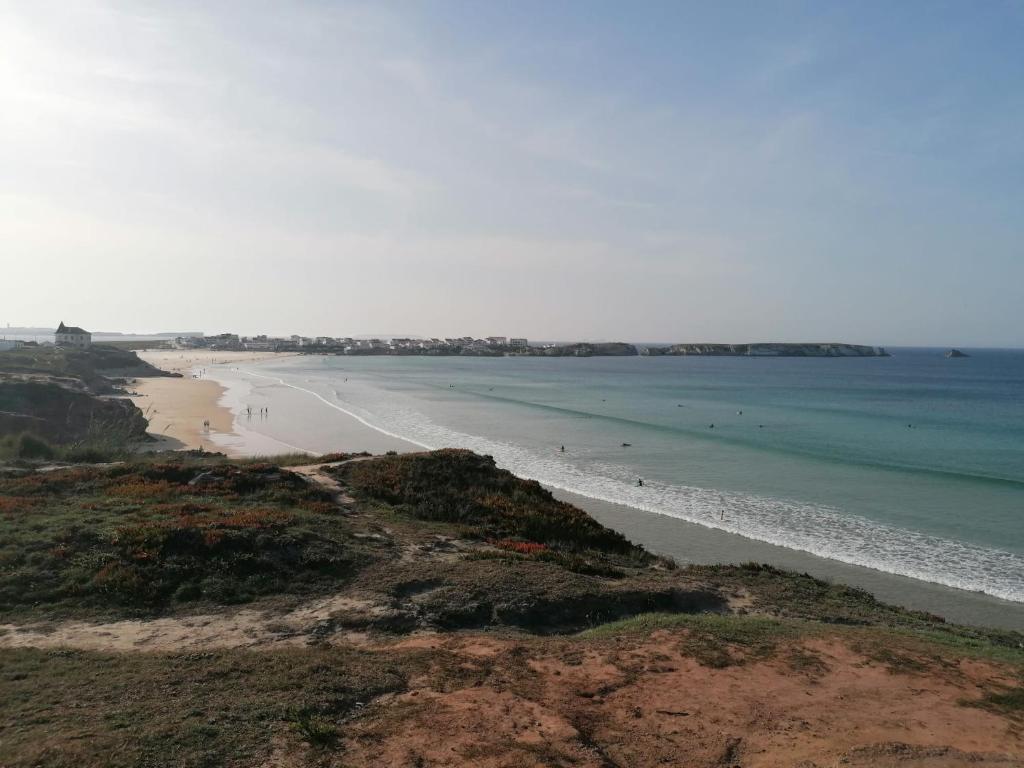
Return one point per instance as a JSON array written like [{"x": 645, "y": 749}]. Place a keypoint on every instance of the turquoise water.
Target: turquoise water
[{"x": 912, "y": 464}]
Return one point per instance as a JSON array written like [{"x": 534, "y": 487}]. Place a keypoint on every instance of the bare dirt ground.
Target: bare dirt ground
[
  {"x": 507, "y": 699},
  {"x": 645, "y": 702}
]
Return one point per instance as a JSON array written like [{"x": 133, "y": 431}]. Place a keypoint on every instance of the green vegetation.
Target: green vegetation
[
  {"x": 49, "y": 407},
  {"x": 800, "y": 596},
  {"x": 1006, "y": 701},
  {"x": 145, "y": 537},
  {"x": 713, "y": 640},
  {"x": 465, "y": 546},
  {"x": 100, "y": 443},
  {"x": 741, "y": 630},
  {"x": 570, "y": 561},
  {"x": 91, "y": 366},
  {"x": 191, "y": 710},
  {"x": 462, "y": 487},
  {"x": 64, "y": 415}
]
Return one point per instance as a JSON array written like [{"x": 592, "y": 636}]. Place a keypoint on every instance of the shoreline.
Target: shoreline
[
  {"x": 177, "y": 407},
  {"x": 692, "y": 544},
  {"x": 686, "y": 542}
]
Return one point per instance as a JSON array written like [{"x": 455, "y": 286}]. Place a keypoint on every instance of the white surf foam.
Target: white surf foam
[{"x": 816, "y": 529}]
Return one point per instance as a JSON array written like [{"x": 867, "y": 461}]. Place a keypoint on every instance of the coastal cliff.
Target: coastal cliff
[
  {"x": 769, "y": 350},
  {"x": 63, "y": 413},
  {"x": 67, "y": 398},
  {"x": 434, "y": 610},
  {"x": 586, "y": 349},
  {"x": 97, "y": 368}
]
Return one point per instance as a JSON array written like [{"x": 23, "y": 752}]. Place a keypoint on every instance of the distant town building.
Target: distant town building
[
  {"x": 222, "y": 341},
  {"x": 8, "y": 344},
  {"x": 518, "y": 343},
  {"x": 72, "y": 336},
  {"x": 497, "y": 341}
]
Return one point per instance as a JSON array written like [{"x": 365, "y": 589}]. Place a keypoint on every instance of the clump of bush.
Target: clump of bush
[
  {"x": 94, "y": 448},
  {"x": 26, "y": 446},
  {"x": 147, "y": 536},
  {"x": 461, "y": 487},
  {"x": 571, "y": 561}
]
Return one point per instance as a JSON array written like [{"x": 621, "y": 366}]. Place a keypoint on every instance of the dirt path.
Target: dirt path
[
  {"x": 315, "y": 474},
  {"x": 244, "y": 628}
]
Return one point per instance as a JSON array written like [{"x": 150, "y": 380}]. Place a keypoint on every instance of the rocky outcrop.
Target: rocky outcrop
[
  {"x": 63, "y": 412},
  {"x": 586, "y": 349},
  {"x": 769, "y": 350},
  {"x": 95, "y": 367}
]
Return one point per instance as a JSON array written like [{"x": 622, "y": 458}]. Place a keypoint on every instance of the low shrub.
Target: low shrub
[
  {"x": 521, "y": 547},
  {"x": 140, "y": 538},
  {"x": 461, "y": 487}
]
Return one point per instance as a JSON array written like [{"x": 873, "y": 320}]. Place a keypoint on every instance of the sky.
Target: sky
[{"x": 653, "y": 171}]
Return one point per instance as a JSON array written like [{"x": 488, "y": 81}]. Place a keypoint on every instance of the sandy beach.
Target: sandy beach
[
  {"x": 215, "y": 386},
  {"x": 177, "y": 407}
]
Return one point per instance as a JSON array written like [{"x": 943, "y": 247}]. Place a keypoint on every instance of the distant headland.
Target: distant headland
[
  {"x": 771, "y": 350},
  {"x": 501, "y": 346}
]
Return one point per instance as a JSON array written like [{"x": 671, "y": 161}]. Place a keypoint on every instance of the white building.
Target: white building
[
  {"x": 70, "y": 336},
  {"x": 6, "y": 344},
  {"x": 518, "y": 343}
]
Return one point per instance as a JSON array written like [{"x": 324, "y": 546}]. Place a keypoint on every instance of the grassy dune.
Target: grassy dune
[{"x": 500, "y": 576}]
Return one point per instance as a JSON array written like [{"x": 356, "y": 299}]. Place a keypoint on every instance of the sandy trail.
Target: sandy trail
[{"x": 244, "y": 628}]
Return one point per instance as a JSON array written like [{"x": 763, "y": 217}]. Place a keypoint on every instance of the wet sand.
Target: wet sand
[
  {"x": 177, "y": 407},
  {"x": 296, "y": 420},
  {"x": 689, "y": 543}
]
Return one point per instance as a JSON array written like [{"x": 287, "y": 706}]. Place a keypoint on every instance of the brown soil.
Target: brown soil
[{"x": 645, "y": 702}]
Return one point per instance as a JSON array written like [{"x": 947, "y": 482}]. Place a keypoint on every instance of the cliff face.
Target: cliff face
[
  {"x": 63, "y": 413},
  {"x": 57, "y": 394},
  {"x": 604, "y": 349}
]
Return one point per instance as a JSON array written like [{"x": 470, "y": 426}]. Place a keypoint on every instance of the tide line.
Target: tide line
[{"x": 337, "y": 407}]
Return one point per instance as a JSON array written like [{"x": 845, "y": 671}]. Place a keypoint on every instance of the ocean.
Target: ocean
[{"x": 911, "y": 465}]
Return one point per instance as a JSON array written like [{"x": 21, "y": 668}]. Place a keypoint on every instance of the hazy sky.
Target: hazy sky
[{"x": 712, "y": 171}]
